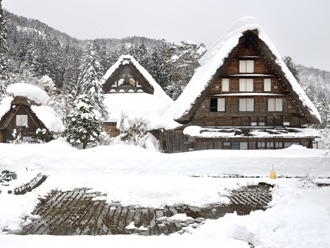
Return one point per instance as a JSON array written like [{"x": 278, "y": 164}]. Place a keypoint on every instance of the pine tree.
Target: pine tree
[
  {"x": 83, "y": 127},
  {"x": 292, "y": 67},
  {"x": 181, "y": 62},
  {"x": 89, "y": 78}
]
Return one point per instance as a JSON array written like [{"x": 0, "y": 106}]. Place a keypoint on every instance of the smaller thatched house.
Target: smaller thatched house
[{"x": 24, "y": 112}]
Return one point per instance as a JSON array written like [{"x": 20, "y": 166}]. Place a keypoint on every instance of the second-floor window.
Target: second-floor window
[
  {"x": 275, "y": 104},
  {"x": 217, "y": 104},
  {"x": 246, "y": 104},
  {"x": 246, "y": 66},
  {"x": 246, "y": 85}
]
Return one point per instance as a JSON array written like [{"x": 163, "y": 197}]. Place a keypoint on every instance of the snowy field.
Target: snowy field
[{"x": 299, "y": 214}]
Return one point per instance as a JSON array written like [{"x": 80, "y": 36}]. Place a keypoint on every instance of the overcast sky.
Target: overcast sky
[{"x": 298, "y": 28}]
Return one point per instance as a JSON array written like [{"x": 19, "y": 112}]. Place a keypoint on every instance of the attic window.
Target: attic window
[
  {"x": 22, "y": 120},
  {"x": 225, "y": 84},
  {"x": 267, "y": 85},
  {"x": 246, "y": 66}
]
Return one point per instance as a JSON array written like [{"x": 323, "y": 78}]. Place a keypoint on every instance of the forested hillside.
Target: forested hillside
[{"x": 36, "y": 49}]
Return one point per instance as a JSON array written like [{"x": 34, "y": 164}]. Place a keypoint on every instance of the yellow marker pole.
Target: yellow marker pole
[{"x": 273, "y": 173}]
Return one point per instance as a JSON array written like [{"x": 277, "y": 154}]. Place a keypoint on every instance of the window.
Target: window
[
  {"x": 246, "y": 84},
  {"x": 267, "y": 85},
  {"x": 288, "y": 144},
  {"x": 217, "y": 104},
  {"x": 278, "y": 144},
  {"x": 246, "y": 104},
  {"x": 235, "y": 145},
  {"x": 21, "y": 120},
  {"x": 243, "y": 145},
  {"x": 261, "y": 144},
  {"x": 270, "y": 144},
  {"x": 213, "y": 105},
  {"x": 225, "y": 84},
  {"x": 226, "y": 145},
  {"x": 246, "y": 66},
  {"x": 275, "y": 104},
  {"x": 221, "y": 104}
]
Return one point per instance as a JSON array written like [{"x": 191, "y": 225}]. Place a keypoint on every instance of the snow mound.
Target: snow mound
[{"x": 29, "y": 91}]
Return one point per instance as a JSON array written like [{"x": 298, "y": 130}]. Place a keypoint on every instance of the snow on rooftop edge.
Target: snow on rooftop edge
[
  {"x": 29, "y": 91},
  {"x": 124, "y": 59},
  {"x": 48, "y": 116},
  {"x": 215, "y": 57}
]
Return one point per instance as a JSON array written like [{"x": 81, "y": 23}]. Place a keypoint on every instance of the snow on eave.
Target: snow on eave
[
  {"x": 5, "y": 105},
  {"x": 307, "y": 103},
  {"x": 29, "y": 91},
  {"x": 214, "y": 59},
  {"x": 124, "y": 59},
  {"x": 49, "y": 118}
]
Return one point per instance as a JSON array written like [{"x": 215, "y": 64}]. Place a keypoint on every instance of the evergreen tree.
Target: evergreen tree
[
  {"x": 181, "y": 62},
  {"x": 83, "y": 126},
  {"x": 4, "y": 75},
  {"x": 89, "y": 78},
  {"x": 292, "y": 67}
]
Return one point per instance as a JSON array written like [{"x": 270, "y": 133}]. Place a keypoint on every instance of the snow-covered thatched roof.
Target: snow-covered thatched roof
[
  {"x": 29, "y": 91},
  {"x": 150, "y": 106},
  {"x": 215, "y": 58},
  {"x": 37, "y": 100}
]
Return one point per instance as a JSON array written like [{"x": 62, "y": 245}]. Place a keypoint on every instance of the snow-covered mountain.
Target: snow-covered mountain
[{"x": 316, "y": 81}]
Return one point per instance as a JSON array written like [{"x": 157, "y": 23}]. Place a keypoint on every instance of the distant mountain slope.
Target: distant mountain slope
[
  {"x": 315, "y": 81},
  {"x": 27, "y": 24}
]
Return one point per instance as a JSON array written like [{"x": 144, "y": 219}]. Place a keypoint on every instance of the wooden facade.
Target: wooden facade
[
  {"x": 249, "y": 91},
  {"x": 127, "y": 79},
  {"x": 20, "y": 119}
]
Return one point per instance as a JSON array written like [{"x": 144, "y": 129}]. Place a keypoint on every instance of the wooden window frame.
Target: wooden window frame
[
  {"x": 22, "y": 120},
  {"x": 225, "y": 85},
  {"x": 217, "y": 104},
  {"x": 267, "y": 85},
  {"x": 274, "y": 103},
  {"x": 246, "y": 66},
  {"x": 245, "y": 109},
  {"x": 246, "y": 85}
]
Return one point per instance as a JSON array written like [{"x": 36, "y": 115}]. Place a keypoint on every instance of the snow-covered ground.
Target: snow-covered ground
[{"x": 299, "y": 215}]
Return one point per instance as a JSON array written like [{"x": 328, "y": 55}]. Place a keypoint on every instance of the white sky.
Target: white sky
[{"x": 298, "y": 28}]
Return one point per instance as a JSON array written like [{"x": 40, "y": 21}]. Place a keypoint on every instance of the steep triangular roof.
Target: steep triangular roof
[
  {"x": 148, "y": 83},
  {"x": 216, "y": 59},
  {"x": 150, "y": 104},
  {"x": 34, "y": 100}
]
